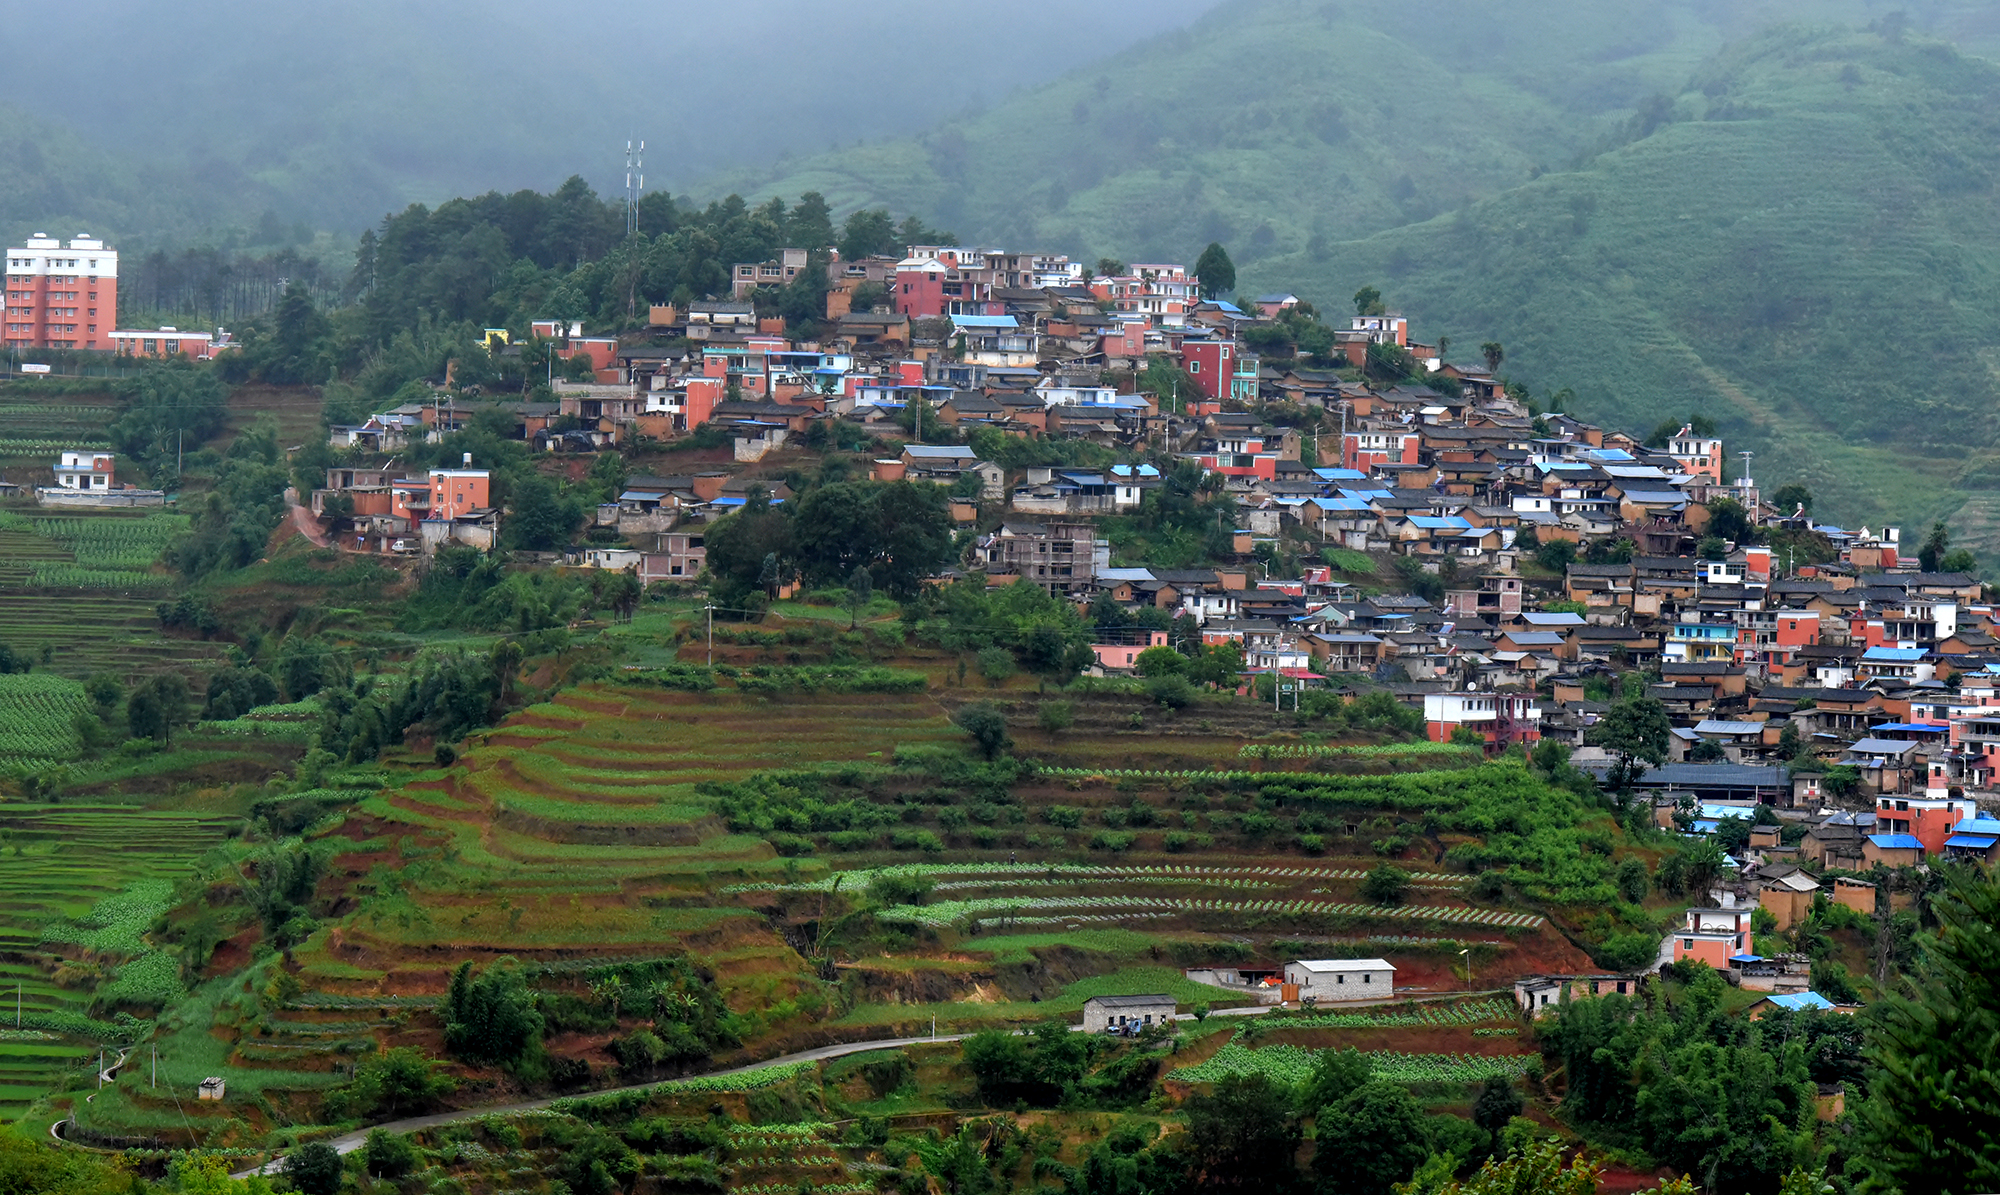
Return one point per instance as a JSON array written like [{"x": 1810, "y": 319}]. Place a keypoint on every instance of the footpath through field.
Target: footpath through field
[{"x": 349, "y": 1142}]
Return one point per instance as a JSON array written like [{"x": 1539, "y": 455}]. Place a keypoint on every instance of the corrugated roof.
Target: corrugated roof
[
  {"x": 1711, "y": 726},
  {"x": 1801, "y": 1001},
  {"x": 1873, "y": 746},
  {"x": 1897, "y": 842}
]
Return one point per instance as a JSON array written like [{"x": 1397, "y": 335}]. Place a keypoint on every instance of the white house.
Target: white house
[
  {"x": 1342, "y": 978},
  {"x": 84, "y": 469}
]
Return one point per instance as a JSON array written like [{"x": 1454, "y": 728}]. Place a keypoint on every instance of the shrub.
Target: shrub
[
  {"x": 1385, "y": 885},
  {"x": 916, "y": 840},
  {"x": 314, "y": 1168},
  {"x": 987, "y": 726},
  {"x": 1632, "y": 880},
  {"x": 1172, "y": 691},
  {"x": 491, "y": 1018},
  {"x": 1069, "y": 817},
  {"x": 1175, "y": 841},
  {"x": 1111, "y": 840},
  {"x": 996, "y": 664},
  {"x": 1312, "y": 844},
  {"x": 791, "y": 845},
  {"x": 1627, "y": 952},
  {"x": 388, "y": 1155}
]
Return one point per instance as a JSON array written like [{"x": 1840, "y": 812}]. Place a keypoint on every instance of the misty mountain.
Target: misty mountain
[
  {"x": 336, "y": 116},
  {"x": 1273, "y": 125}
]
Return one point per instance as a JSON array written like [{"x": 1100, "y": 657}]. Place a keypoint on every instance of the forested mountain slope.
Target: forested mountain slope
[
  {"x": 1279, "y": 125},
  {"x": 1806, "y": 247}
]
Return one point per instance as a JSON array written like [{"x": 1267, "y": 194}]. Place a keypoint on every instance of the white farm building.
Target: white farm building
[{"x": 1332, "y": 979}]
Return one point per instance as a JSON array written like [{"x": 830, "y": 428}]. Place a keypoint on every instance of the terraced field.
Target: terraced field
[
  {"x": 58, "y": 862},
  {"x": 83, "y": 586},
  {"x": 579, "y": 829},
  {"x": 33, "y": 430}
]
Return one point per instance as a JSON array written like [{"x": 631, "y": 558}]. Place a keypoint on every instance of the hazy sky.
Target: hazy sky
[{"x": 379, "y": 98}]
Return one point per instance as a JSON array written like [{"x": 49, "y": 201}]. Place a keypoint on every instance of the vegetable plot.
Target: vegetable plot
[
  {"x": 1470, "y": 1013},
  {"x": 1294, "y": 1064},
  {"x": 38, "y": 720}
]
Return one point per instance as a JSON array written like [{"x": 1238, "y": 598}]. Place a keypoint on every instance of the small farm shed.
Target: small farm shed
[{"x": 1110, "y": 1012}]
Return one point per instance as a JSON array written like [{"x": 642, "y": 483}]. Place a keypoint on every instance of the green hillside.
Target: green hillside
[
  {"x": 1805, "y": 250},
  {"x": 1280, "y": 126}
]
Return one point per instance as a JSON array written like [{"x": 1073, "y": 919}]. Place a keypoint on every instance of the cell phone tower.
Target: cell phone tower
[{"x": 635, "y": 183}]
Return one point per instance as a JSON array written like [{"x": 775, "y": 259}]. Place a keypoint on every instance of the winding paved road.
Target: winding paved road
[{"x": 349, "y": 1142}]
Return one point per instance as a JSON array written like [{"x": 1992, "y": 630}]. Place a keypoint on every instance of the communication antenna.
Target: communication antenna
[{"x": 635, "y": 183}]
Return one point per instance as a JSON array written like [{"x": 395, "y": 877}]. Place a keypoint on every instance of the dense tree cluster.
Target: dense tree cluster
[{"x": 899, "y": 532}]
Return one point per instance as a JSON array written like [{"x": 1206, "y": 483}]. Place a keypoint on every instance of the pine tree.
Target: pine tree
[{"x": 1931, "y": 1121}]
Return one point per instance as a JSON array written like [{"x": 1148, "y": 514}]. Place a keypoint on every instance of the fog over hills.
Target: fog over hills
[{"x": 334, "y": 116}]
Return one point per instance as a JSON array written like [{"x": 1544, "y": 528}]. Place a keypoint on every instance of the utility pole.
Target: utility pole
[
  {"x": 1466, "y": 954},
  {"x": 156, "y": 1064},
  {"x": 711, "y": 633}
]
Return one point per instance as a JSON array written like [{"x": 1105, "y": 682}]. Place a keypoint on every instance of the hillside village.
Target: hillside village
[
  {"x": 1531, "y": 557},
  {"x": 1768, "y": 726}
]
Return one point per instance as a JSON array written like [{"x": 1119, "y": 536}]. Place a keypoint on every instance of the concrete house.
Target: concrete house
[
  {"x": 1342, "y": 978},
  {"x": 1102, "y": 1013}
]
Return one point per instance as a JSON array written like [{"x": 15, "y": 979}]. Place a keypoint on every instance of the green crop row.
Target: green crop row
[
  {"x": 74, "y": 576},
  {"x": 1418, "y": 1017},
  {"x": 1293, "y": 1065},
  {"x": 153, "y": 979},
  {"x": 38, "y": 717},
  {"x": 116, "y": 924}
]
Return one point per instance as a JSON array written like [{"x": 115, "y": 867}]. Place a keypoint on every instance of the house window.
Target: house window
[
  {"x": 1194, "y": 367},
  {"x": 1340, "y": 979},
  {"x": 1687, "y": 943}
]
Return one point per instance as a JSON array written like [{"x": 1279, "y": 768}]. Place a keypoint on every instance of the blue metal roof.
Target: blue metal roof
[
  {"x": 1920, "y": 727},
  {"x": 1976, "y": 841},
  {"x": 1439, "y": 523},
  {"x": 985, "y": 321},
  {"x": 1897, "y": 842},
  {"x": 1898, "y": 655},
  {"x": 1801, "y": 1001}
]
